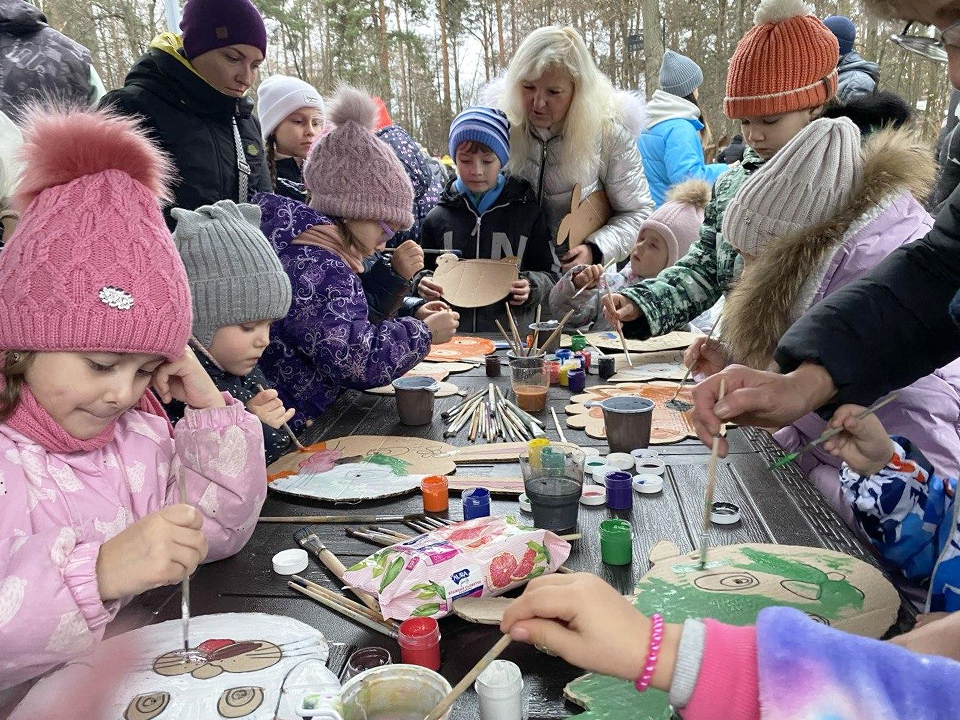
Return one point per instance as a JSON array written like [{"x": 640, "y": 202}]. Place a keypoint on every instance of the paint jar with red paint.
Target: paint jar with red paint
[{"x": 419, "y": 639}]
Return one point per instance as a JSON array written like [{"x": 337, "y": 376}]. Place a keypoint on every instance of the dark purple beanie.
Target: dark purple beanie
[{"x": 211, "y": 24}]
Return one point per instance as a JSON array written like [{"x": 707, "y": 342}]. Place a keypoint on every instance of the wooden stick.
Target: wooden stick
[
  {"x": 468, "y": 679},
  {"x": 286, "y": 428},
  {"x": 513, "y": 329},
  {"x": 556, "y": 423},
  {"x": 566, "y": 570},
  {"x": 338, "y": 519},
  {"x": 389, "y": 531},
  {"x": 374, "y": 625},
  {"x": 559, "y": 329},
  {"x": 333, "y": 564},
  {"x": 623, "y": 340},
  {"x": 536, "y": 331},
  {"x": 455, "y": 410},
  {"x": 571, "y": 537},
  {"x": 372, "y": 537},
  {"x": 475, "y": 423},
  {"x": 345, "y": 601},
  {"x": 507, "y": 338},
  {"x": 711, "y": 482},
  {"x": 587, "y": 287}
]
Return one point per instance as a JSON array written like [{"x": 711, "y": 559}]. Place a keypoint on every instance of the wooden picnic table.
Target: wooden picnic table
[{"x": 776, "y": 507}]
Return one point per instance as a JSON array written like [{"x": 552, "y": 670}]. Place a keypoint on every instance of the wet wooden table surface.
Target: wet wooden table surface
[{"x": 777, "y": 507}]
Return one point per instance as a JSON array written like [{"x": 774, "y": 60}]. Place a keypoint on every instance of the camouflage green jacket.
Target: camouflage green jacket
[{"x": 698, "y": 279}]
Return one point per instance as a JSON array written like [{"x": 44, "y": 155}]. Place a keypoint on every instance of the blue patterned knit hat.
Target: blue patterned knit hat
[{"x": 484, "y": 125}]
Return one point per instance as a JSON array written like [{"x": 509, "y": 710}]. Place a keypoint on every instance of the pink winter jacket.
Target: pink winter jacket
[
  {"x": 57, "y": 509},
  {"x": 928, "y": 411}
]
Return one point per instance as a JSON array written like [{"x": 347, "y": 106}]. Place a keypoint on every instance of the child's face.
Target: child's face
[
  {"x": 649, "y": 256},
  {"x": 768, "y": 134},
  {"x": 477, "y": 166},
  {"x": 237, "y": 348},
  {"x": 296, "y": 133},
  {"x": 85, "y": 391}
]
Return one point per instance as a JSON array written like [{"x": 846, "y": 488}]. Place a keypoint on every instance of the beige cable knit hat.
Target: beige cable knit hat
[{"x": 804, "y": 184}]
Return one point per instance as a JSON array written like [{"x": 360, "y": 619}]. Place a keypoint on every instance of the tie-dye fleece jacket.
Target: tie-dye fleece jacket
[
  {"x": 789, "y": 667},
  {"x": 907, "y": 512},
  {"x": 57, "y": 509}
]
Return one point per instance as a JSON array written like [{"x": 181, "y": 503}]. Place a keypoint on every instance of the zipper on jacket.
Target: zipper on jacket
[{"x": 543, "y": 168}]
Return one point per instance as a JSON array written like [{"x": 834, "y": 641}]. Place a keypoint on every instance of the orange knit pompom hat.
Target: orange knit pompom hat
[{"x": 787, "y": 62}]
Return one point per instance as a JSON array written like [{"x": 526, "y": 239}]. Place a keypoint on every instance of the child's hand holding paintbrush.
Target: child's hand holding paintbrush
[{"x": 863, "y": 444}]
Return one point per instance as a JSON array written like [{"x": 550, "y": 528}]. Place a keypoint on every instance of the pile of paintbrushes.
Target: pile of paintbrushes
[
  {"x": 488, "y": 414},
  {"x": 343, "y": 605},
  {"x": 383, "y": 536},
  {"x": 518, "y": 346}
]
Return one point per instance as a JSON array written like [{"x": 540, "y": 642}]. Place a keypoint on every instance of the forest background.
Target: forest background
[{"x": 428, "y": 59}]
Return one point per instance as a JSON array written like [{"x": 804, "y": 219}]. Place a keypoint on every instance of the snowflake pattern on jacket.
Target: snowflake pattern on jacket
[
  {"x": 907, "y": 512},
  {"x": 326, "y": 342}
]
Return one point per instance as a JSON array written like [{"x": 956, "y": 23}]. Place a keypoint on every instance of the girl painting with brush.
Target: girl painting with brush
[
  {"x": 94, "y": 308},
  {"x": 359, "y": 197},
  {"x": 861, "y": 206},
  {"x": 239, "y": 290}
]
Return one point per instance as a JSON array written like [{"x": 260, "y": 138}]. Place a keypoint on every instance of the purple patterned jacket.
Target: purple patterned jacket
[{"x": 326, "y": 342}]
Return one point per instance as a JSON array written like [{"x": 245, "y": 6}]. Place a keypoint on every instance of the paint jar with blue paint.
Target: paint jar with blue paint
[
  {"x": 619, "y": 486},
  {"x": 616, "y": 542},
  {"x": 476, "y": 503},
  {"x": 577, "y": 380}
]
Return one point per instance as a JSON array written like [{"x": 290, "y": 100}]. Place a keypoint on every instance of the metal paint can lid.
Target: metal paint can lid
[
  {"x": 724, "y": 513},
  {"x": 290, "y": 562}
]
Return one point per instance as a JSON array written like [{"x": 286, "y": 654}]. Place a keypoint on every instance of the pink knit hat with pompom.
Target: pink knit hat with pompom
[
  {"x": 350, "y": 173},
  {"x": 92, "y": 266}
]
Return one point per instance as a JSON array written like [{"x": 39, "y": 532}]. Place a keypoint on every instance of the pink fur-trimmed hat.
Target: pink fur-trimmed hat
[
  {"x": 92, "y": 265},
  {"x": 679, "y": 219}
]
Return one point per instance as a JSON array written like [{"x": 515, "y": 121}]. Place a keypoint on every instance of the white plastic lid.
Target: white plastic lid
[
  {"x": 593, "y": 495},
  {"x": 648, "y": 484},
  {"x": 290, "y": 562},
  {"x": 644, "y": 453},
  {"x": 621, "y": 460},
  {"x": 651, "y": 466},
  {"x": 525, "y": 503},
  {"x": 599, "y": 473}
]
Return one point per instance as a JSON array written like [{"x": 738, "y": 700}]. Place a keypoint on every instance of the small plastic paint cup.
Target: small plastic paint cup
[
  {"x": 578, "y": 342},
  {"x": 419, "y": 640},
  {"x": 534, "y": 448},
  {"x": 577, "y": 380},
  {"x": 619, "y": 486},
  {"x": 553, "y": 367},
  {"x": 585, "y": 358},
  {"x": 366, "y": 659},
  {"x": 500, "y": 688},
  {"x": 476, "y": 503},
  {"x": 627, "y": 419},
  {"x": 607, "y": 367},
  {"x": 436, "y": 495},
  {"x": 492, "y": 364},
  {"x": 564, "y": 355},
  {"x": 393, "y": 691},
  {"x": 564, "y": 375},
  {"x": 415, "y": 398},
  {"x": 616, "y": 542}
]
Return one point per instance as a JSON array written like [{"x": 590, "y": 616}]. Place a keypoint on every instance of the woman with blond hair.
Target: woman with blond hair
[{"x": 569, "y": 127}]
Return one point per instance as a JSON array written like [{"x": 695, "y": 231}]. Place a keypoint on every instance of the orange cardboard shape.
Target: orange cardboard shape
[{"x": 668, "y": 426}]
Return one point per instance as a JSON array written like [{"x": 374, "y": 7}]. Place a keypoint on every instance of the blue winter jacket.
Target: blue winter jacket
[{"x": 670, "y": 146}]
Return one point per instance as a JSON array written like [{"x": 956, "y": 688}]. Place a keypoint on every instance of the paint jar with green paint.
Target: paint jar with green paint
[{"x": 616, "y": 542}]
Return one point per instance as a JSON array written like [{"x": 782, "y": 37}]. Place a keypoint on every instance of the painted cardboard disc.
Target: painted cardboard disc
[
  {"x": 738, "y": 582},
  {"x": 668, "y": 426},
  {"x": 446, "y": 389},
  {"x": 462, "y": 346},
  {"x": 475, "y": 283},
  {"x": 238, "y": 664},
  {"x": 609, "y": 340}
]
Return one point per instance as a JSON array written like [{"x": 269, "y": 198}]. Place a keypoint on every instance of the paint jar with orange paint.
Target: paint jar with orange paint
[{"x": 436, "y": 494}]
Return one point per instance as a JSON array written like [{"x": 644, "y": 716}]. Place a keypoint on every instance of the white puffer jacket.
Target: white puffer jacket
[{"x": 616, "y": 167}]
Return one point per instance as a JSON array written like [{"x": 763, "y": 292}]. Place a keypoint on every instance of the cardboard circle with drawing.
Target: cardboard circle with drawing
[
  {"x": 369, "y": 467},
  {"x": 460, "y": 348},
  {"x": 667, "y": 426},
  {"x": 475, "y": 283},
  {"x": 609, "y": 340},
  {"x": 239, "y": 663},
  {"x": 737, "y": 583}
]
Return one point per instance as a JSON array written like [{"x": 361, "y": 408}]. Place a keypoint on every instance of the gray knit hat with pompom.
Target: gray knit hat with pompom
[{"x": 352, "y": 174}]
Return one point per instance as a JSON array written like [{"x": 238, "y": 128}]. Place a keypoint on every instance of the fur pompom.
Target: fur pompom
[
  {"x": 775, "y": 11},
  {"x": 61, "y": 145},
  {"x": 352, "y": 104},
  {"x": 691, "y": 192}
]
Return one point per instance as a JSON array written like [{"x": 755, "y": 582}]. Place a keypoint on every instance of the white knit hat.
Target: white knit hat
[
  {"x": 280, "y": 95},
  {"x": 804, "y": 184}
]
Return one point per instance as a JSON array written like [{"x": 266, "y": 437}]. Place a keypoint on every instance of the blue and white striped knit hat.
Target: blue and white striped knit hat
[{"x": 484, "y": 125}]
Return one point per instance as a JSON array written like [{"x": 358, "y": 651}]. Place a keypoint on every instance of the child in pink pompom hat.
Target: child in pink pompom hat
[
  {"x": 94, "y": 307},
  {"x": 664, "y": 238}
]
